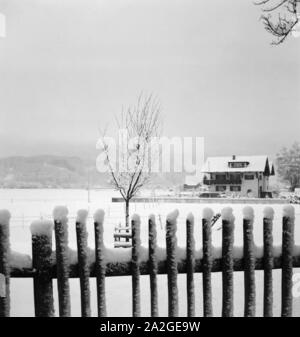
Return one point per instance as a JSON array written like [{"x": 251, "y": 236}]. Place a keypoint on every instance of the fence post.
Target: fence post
[
  {"x": 268, "y": 261},
  {"x": 41, "y": 234},
  {"x": 62, "y": 259},
  {"x": 190, "y": 265},
  {"x": 287, "y": 261},
  {"x": 207, "y": 215},
  {"x": 249, "y": 262},
  {"x": 171, "y": 245},
  {"x": 227, "y": 261},
  {"x": 4, "y": 263},
  {"x": 100, "y": 262},
  {"x": 83, "y": 262},
  {"x": 136, "y": 244},
  {"x": 153, "y": 265}
]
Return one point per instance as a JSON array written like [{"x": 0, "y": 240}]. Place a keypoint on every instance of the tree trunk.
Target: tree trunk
[{"x": 127, "y": 217}]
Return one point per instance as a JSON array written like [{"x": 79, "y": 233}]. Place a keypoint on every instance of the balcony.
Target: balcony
[{"x": 229, "y": 181}]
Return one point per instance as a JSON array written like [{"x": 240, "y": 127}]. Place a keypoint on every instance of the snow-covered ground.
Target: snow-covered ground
[{"x": 29, "y": 205}]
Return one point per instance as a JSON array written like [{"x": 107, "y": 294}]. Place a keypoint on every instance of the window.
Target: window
[
  {"x": 249, "y": 176},
  {"x": 235, "y": 188},
  {"x": 220, "y": 177},
  {"x": 220, "y": 188},
  {"x": 238, "y": 164}
]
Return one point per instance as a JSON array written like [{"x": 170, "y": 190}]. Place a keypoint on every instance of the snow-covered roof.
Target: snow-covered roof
[{"x": 221, "y": 164}]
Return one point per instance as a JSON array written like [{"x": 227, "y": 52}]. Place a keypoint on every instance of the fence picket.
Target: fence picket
[
  {"x": 100, "y": 263},
  {"x": 83, "y": 263},
  {"x": 190, "y": 265},
  {"x": 268, "y": 261},
  {"x": 171, "y": 245},
  {"x": 136, "y": 243},
  {"x": 227, "y": 261},
  {"x": 287, "y": 261},
  {"x": 153, "y": 266},
  {"x": 41, "y": 232},
  {"x": 4, "y": 264},
  {"x": 62, "y": 260},
  {"x": 207, "y": 262},
  {"x": 249, "y": 262}
]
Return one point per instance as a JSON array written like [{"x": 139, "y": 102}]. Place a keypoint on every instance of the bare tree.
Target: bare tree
[
  {"x": 287, "y": 18},
  {"x": 139, "y": 125}
]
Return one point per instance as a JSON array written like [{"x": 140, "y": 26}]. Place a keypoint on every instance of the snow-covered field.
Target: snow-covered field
[{"x": 28, "y": 205}]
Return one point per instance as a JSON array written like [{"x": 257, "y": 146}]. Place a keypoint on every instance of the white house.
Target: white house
[{"x": 244, "y": 176}]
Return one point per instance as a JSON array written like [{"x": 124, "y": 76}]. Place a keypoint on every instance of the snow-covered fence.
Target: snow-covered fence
[{"x": 63, "y": 263}]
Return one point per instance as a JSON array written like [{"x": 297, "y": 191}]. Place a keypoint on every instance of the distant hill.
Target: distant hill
[{"x": 47, "y": 171}]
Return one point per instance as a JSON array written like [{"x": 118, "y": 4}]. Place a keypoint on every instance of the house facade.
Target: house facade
[{"x": 241, "y": 176}]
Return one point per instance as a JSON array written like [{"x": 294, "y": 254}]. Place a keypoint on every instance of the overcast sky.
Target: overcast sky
[{"x": 67, "y": 66}]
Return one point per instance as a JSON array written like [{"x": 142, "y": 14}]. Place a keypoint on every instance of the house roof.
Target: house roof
[{"x": 220, "y": 164}]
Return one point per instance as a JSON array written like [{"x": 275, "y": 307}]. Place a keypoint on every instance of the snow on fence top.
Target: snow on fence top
[
  {"x": 190, "y": 217},
  {"x": 172, "y": 217},
  {"x": 60, "y": 213},
  {"x": 152, "y": 218},
  {"x": 248, "y": 213},
  {"x": 289, "y": 211},
  {"x": 99, "y": 216},
  {"x": 207, "y": 213},
  {"x": 269, "y": 213},
  {"x": 227, "y": 214},
  {"x": 41, "y": 227},
  {"x": 4, "y": 217},
  {"x": 82, "y": 215}
]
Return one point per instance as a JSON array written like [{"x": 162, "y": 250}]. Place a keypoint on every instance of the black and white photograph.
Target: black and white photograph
[{"x": 149, "y": 162}]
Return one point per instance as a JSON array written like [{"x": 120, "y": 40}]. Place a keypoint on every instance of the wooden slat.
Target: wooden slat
[
  {"x": 84, "y": 270},
  {"x": 207, "y": 267},
  {"x": 249, "y": 264},
  {"x": 42, "y": 282},
  {"x": 4, "y": 268},
  {"x": 227, "y": 267},
  {"x": 268, "y": 262},
  {"x": 287, "y": 263},
  {"x": 100, "y": 265},
  {"x": 171, "y": 245},
  {"x": 124, "y": 268},
  {"x": 62, "y": 264},
  {"x": 153, "y": 266},
  {"x": 190, "y": 265},
  {"x": 136, "y": 243}
]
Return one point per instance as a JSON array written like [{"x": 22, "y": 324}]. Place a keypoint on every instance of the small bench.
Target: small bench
[{"x": 122, "y": 233}]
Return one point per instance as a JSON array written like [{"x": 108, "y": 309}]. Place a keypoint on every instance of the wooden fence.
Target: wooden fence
[{"x": 48, "y": 265}]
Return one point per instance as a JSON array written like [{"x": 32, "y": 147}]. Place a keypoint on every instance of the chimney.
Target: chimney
[{"x": 233, "y": 157}]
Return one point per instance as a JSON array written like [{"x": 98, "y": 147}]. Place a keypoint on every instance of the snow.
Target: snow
[
  {"x": 136, "y": 218},
  {"x": 41, "y": 227},
  {"x": 4, "y": 217},
  {"x": 152, "y": 218},
  {"x": 248, "y": 213},
  {"x": 82, "y": 215},
  {"x": 20, "y": 261},
  {"x": 289, "y": 211},
  {"x": 172, "y": 217},
  {"x": 99, "y": 216},
  {"x": 29, "y": 205},
  {"x": 60, "y": 213},
  {"x": 190, "y": 217},
  {"x": 227, "y": 214},
  {"x": 269, "y": 213},
  {"x": 207, "y": 213}
]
